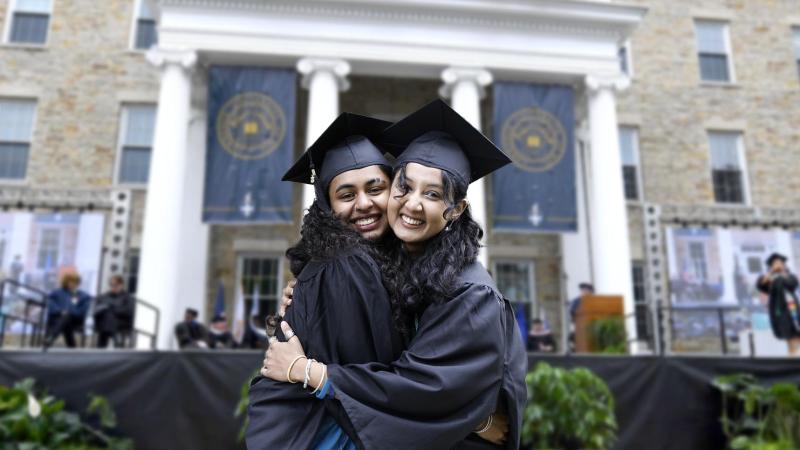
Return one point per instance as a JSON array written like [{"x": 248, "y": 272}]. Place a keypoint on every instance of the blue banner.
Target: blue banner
[
  {"x": 534, "y": 125},
  {"x": 250, "y": 144}
]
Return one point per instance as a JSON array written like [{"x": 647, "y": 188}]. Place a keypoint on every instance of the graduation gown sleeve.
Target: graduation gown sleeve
[
  {"x": 341, "y": 313},
  {"x": 449, "y": 379}
]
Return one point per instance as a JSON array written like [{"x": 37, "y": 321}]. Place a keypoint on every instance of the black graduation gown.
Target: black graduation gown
[
  {"x": 466, "y": 360},
  {"x": 783, "y": 324},
  {"x": 220, "y": 340},
  {"x": 341, "y": 313}
]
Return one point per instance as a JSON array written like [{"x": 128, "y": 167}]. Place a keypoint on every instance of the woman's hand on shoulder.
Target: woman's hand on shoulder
[{"x": 282, "y": 356}]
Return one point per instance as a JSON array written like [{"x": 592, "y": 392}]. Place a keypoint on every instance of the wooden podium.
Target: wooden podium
[{"x": 594, "y": 307}]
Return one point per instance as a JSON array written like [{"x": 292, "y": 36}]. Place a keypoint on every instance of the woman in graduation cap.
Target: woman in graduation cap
[
  {"x": 780, "y": 286},
  {"x": 466, "y": 360},
  {"x": 343, "y": 312}
]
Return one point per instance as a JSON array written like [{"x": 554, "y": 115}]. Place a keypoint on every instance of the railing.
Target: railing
[
  {"x": 30, "y": 320},
  {"x": 721, "y": 323},
  {"x": 33, "y": 330},
  {"x": 669, "y": 330}
]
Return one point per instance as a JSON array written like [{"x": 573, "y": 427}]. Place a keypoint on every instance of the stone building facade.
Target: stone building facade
[{"x": 87, "y": 71}]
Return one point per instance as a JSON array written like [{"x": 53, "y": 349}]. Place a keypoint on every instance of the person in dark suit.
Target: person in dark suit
[
  {"x": 190, "y": 333},
  {"x": 66, "y": 310},
  {"x": 113, "y": 314},
  {"x": 585, "y": 289}
]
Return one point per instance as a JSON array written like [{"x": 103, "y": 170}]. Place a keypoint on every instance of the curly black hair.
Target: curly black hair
[
  {"x": 430, "y": 278},
  {"x": 323, "y": 236}
]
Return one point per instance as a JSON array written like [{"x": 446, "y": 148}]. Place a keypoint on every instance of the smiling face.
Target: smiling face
[
  {"x": 359, "y": 198},
  {"x": 419, "y": 211}
]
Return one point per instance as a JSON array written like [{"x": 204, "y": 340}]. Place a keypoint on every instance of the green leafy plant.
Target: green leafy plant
[
  {"x": 756, "y": 417},
  {"x": 608, "y": 335},
  {"x": 568, "y": 408},
  {"x": 32, "y": 420},
  {"x": 244, "y": 400}
]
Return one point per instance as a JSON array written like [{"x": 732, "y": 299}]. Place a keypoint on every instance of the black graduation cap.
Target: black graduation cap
[
  {"x": 219, "y": 318},
  {"x": 437, "y": 136},
  {"x": 345, "y": 145},
  {"x": 773, "y": 257}
]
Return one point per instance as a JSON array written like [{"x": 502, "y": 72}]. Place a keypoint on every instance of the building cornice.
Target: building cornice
[
  {"x": 558, "y": 16},
  {"x": 728, "y": 215},
  {"x": 23, "y": 197},
  {"x": 562, "y": 39}
]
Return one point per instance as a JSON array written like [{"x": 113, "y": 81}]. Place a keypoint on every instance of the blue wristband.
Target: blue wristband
[{"x": 322, "y": 393}]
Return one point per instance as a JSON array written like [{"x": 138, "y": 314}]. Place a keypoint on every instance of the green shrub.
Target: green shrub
[
  {"x": 34, "y": 421},
  {"x": 756, "y": 417},
  {"x": 568, "y": 407},
  {"x": 608, "y": 335}
]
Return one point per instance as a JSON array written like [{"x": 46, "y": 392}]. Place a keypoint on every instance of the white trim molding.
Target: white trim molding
[{"x": 513, "y": 39}]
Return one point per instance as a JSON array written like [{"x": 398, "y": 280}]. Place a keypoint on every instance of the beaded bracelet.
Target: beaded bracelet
[{"x": 308, "y": 372}]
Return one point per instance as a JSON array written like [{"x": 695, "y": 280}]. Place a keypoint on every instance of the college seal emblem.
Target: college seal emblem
[
  {"x": 250, "y": 125},
  {"x": 535, "y": 139}
]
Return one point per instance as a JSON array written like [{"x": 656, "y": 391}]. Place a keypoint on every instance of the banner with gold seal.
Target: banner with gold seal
[
  {"x": 534, "y": 125},
  {"x": 250, "y": 144}
]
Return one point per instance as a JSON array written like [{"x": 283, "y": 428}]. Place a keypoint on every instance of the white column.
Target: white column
[
  {"x": 464, "y": 86},
  {"x": 163, "y": 275},
  {"x": 575, "y": 254},
  {"x": 324, "y": 78},
  {"x": 611, "y": 255}
]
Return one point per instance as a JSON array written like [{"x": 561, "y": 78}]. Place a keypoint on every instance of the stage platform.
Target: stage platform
[{"x": 185, "y": 400}]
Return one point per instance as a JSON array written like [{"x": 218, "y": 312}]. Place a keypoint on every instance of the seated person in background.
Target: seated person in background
[
  {"x": 218, "y": 334},
  {"x": 66, "y": 310},
  {"x": 540, "y": 338},
  {"x": 113, "y": 314},
  {"x": 190, "y": 333}
]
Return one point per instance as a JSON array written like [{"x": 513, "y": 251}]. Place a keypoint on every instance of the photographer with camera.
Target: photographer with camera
[{"x": 780, "y": 286}]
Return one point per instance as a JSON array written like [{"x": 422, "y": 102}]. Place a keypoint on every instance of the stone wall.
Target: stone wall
[
  {"x": 80, "y": 77},
  {"x": 674, "y": 109}
]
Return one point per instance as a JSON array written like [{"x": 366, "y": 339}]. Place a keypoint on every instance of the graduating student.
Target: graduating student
[
  {"x": 466, "y": 360},
  {"x": 342, "y": 310}
]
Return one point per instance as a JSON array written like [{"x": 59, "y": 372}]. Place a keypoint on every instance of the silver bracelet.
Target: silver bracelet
[
  {"x": 322, "y": 380},
  {"x": 488, "y": 425},
  {"x": 308, "y": 373}
]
